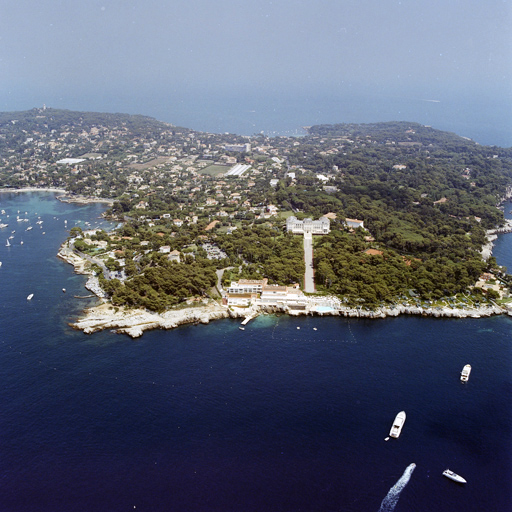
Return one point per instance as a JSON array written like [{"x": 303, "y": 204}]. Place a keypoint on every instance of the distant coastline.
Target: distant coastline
[
  {"x": 34, "y": 189},
  {"x": 64, "y": 198}
]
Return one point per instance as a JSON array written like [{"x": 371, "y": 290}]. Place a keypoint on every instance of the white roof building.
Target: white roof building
[
  {"x": 321, "y": 226},
  {"x": 354, "y": 223}
]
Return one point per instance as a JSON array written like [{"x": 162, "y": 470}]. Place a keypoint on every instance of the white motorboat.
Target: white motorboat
[
  {"x": 448, "y": 473},
  {"x": 396, "y": 429},
  {"x": 464, "y": 374},
  {"x": 8, "y": 244},
  {"x": 30, "y": 296}
]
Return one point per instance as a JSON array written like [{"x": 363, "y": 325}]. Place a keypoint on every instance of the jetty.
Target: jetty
[{"x": 247, "y": 319}]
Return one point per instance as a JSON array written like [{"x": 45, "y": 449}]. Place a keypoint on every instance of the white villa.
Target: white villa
[
  {"x": 321, "y": 226},
  {"x": 247, "y": 286},
  {"x": 248, "y": 292},
  {"x": 354, "y": 223}
]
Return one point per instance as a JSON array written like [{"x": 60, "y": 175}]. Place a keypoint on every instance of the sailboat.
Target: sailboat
[{"x": 8, "y": 244}]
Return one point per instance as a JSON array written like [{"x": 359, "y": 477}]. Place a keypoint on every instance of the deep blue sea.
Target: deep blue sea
[{"x": 279, "y": 417}]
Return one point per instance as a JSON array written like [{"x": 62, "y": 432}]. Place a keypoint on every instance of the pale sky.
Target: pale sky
[{"x": 78, "y": 54}]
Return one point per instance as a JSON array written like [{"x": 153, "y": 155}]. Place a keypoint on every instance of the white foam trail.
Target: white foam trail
[{"x": 389, "y": 502}]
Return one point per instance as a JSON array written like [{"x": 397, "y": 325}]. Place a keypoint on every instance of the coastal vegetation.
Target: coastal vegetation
[{"x": 427, "y": 199}]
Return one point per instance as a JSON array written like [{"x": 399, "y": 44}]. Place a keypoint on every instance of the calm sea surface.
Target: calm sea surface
[{"x": 288, "y": 415}]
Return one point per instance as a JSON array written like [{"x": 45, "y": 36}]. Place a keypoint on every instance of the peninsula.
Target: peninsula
[{"x": 357, "y": 220}]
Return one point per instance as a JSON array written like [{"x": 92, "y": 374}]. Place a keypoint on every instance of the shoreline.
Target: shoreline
[
  {"x": 34, "y": 189},
  {"x": 64, "y": 197},
  {"x": 134, "y": 321}
]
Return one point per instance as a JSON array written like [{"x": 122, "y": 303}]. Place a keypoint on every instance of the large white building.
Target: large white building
[
  {"x": 238, "y": 148},
  {"x": 244, "y": 286},
  {"x": 257, "y": 292},
  {"x": 321, "y": 226}
]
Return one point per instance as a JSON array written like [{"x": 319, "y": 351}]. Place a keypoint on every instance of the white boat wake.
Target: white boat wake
[{"x": 389, "y": 502}]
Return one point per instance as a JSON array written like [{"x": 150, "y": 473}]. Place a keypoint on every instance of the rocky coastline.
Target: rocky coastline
[
  {"x": 134, "y": 322},
  {"x": 83, "y": 199}
]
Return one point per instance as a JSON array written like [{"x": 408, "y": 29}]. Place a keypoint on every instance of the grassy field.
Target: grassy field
[
  {"x": 215, "y": 170},
  {"x": 151, "y": 163}
]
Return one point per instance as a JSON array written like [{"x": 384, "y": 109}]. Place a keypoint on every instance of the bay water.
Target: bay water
[{"x": 289, "y": 415}]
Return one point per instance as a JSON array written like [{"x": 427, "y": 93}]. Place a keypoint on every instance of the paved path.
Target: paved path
[{"x": 309, "y": 278}]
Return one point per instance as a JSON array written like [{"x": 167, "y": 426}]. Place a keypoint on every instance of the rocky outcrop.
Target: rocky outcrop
[
  {"x": 79, "y": 264},
  {"x": 466, "y": 312},
  {"x": 135, "y": 321}
]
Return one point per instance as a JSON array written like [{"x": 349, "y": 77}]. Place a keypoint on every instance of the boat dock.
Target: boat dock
[{"x": 247, "y": 319}]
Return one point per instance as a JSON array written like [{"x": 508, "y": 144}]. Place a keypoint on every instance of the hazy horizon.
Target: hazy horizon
[{"x": 268, "y": 66}]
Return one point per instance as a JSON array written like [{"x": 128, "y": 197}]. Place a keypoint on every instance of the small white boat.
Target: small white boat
[
  {"x": 398, "y": 424},
  {"x": 242, "y": 328},
  {"x": 30, "y": 296},
  {"x": 64, "y": 290},
  {"x": 3, "y": 225},
  {"x": 8, "y": 244},
  {"x": 453, "y": 476},
  {"x": 0, "y": 263},
  {"x": 29, "y": 228},
  {"x": 21, "y": 243},
  {"x": 464, "y": 374}
]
